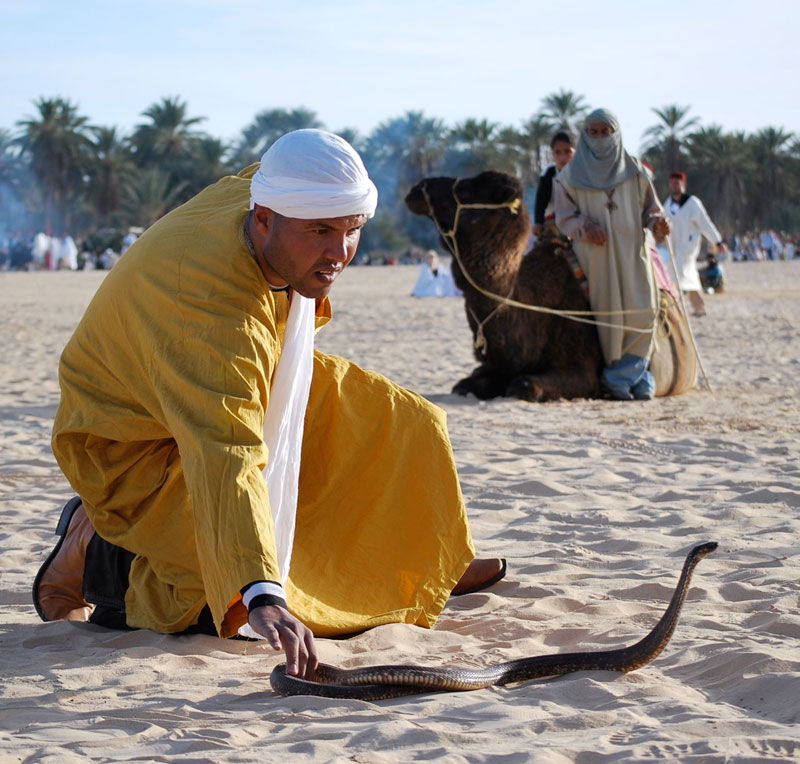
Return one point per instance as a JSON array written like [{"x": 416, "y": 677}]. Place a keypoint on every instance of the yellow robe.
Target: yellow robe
[{"x": 164, "y": 388}]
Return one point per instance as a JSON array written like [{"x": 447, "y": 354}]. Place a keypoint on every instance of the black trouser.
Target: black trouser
[{"x": 105, "y": 582}]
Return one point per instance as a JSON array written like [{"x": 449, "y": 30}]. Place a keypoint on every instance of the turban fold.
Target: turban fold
[{"x": 310, "y": 174}]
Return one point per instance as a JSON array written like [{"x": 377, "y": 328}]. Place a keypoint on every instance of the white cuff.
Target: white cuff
[{"x": 262, "y": 587}]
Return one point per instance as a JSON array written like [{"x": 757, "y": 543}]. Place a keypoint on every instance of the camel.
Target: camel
[{"x": 521, "y": 353}]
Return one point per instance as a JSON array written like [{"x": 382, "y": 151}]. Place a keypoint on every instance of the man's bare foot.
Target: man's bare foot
[
  {"x": 482, "y": 572},
  {"x": 698, "y": 304}
]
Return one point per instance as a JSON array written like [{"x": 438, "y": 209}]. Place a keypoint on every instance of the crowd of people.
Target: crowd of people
[
  {"x": 766, "y": 245},
  {"x": 24, "y": 251},
  {"x": 29, "y": 251}
]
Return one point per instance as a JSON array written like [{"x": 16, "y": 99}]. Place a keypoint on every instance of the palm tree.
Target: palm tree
[
  {"x": 771, "y": 153},
  {"x": 267, "y": 127},
  {"x": 11, "y": 164},
  {"x": 564, "y": 109},
  {"x": 57, "y": 144},
  {"x": 722, "y": 169},
  {"x": 534, "y": 142},
  {"x": 664, "y": 141},
  {"x": 167, "y": 137},
  {"x": 398, "y": 153},
  {"x": 474, "y": 146},
  {"x": 406, "y": 149},
  {"x": 13, "y": 182},
  {"x": 205, "y": 165},
  {"x": 110, "y": 169},
  {"x": 148, "y": 195}
]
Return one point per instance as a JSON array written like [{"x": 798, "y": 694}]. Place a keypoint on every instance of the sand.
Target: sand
[{"x": 594, "y": 503}]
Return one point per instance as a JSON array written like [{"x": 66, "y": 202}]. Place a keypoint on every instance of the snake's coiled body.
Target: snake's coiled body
[{"x": 376, "y": 682}]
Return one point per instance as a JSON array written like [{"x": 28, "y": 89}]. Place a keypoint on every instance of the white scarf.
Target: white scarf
[{"x": 283, "y": 424}]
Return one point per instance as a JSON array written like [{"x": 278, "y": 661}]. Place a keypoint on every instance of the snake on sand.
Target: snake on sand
[{"x": 377, "y": 682}]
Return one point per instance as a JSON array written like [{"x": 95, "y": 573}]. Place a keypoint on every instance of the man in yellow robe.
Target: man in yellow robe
[{"x": 165, "y": 387}]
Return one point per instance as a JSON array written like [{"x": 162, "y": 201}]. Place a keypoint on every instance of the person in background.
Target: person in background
[
  {"x": 129, "y": 238},
  {"x": 690, "y": 224},
  {"x": 562, "y": 147},
  {"x": 768, "y": 244},
  {"x": 712, "y": 276}
]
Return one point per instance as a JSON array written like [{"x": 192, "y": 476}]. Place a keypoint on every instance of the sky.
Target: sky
[{"x": 358, "y": 63}]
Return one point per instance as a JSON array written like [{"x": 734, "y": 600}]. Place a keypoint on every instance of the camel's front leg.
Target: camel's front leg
[
  {"x": 553, "y": 385},
  {"x": 482, "y": 383}
]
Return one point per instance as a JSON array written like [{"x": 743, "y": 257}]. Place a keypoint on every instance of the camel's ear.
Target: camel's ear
[
  {"x": 500, "y": 187},
  {"x": 415, "y": 200}
]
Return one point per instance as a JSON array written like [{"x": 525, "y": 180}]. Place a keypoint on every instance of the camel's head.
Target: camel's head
[
  {"x": 490, "y": 187},
  {"x": 438, "y": 198}
]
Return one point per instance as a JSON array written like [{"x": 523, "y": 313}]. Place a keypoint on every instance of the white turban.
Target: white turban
[{"x": 310, "y": 174}]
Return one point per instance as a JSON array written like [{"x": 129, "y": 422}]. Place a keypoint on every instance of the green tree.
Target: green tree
[
  {"x": 403, "y": 150},
  {"x": 533, "y": 148},
  {"x": 148, "y": 195},
  {"x": 166, "y": 138},
  {"x": 109, "y": 170},
  {"x": 473, "y": 147},
  {"x": 57, "y": 144},
  {"x": 14, "y": 183},
  {"x": 206, "y": 164},
  {"x": 564, "y": 109},
  {"x": 722, "y": 170},
  {"x": 664, "y": 142},
  {"x": 771, "y": 155}
]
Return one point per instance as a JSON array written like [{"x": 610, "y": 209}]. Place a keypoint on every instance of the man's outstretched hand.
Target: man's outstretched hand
[{"x": 283, "y": 631}]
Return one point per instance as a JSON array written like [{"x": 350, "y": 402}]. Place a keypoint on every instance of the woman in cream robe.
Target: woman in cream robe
[{"x": 603, "y": 202}]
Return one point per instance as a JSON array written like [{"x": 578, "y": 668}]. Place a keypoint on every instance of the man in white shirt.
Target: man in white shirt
[{"x": 690, "y": 223}]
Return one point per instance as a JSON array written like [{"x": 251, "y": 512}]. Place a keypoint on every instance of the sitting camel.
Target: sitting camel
[{"x": 532, "y": 355}]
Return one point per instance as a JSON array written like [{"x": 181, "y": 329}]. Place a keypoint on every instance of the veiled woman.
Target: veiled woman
[{"x": 603, "y": 201}]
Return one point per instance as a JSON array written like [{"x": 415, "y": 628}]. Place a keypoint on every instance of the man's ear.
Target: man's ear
[{"x": 263, "y": 219}]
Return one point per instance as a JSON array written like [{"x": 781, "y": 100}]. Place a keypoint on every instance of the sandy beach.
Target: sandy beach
[{"x": 594, "y": 504}]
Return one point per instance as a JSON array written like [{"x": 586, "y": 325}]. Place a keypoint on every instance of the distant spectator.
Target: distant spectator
[
  {"x": 40, "y": 250},
  {"x": 108, "y": 259},
  {"x": 433, "y": 279},
  {"x": 562, "y": 147},
  {"x": 768, "y": 244},
  {"x": 129, "y": 238},
  {"x": 690, "y": 224},
  {"x": 64, "y": 252},
  {"x": 712, "y": 277},
  {"x": 20, "y": 256}
]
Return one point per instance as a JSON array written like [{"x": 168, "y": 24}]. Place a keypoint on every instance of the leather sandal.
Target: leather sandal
[
  {"x": 486, "y": 583},
  {"x": 66, "y": 590}
]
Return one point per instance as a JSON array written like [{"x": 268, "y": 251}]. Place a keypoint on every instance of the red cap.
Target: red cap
[{"x": 678, "y": 175}]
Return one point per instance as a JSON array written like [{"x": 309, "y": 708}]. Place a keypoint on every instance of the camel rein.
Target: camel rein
[{"x": 513, "y": 206}]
